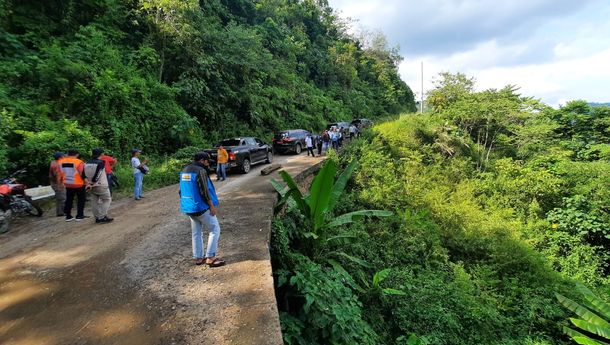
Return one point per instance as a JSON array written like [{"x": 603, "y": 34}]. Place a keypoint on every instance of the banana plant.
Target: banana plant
[
  {"x": 381, "y": 276},
  {"x": 594, "y": 316},
  {"x": 323, "y": 195}
]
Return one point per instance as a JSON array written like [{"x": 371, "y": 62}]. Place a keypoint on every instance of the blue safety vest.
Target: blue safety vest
[{"x": 190, "y": 199}]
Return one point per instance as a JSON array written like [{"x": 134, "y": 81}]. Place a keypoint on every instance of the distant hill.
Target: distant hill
[{"x": 607, "y": 104}]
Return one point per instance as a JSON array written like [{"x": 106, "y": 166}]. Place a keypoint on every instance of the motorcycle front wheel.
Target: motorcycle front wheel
[
  {"x": 32, "y": 210},
  {"x": 5, "y": 220}
]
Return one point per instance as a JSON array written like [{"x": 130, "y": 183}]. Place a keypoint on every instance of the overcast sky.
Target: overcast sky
[{"x": 555, "y": 50}]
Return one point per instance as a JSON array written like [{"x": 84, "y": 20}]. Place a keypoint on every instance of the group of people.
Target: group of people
[
  {"x": 332, "y": 138},
  {"x": 70, "y": 177}
]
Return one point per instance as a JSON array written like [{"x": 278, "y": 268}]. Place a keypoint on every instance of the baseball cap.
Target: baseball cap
[
  {"x": 58, "y": 155},
  {"x": 135, "y": 151},
  {"x": 200, "y": 155}
]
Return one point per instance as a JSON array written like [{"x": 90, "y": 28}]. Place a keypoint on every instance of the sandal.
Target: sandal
[
  {"x": 215, "y": 263},
  {"x": 199, "y": 261}
]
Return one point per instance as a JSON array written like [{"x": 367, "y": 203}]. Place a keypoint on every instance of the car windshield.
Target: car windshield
[
  {"x": 281, "y": 135},
  {"x": 229, "y": 142}
]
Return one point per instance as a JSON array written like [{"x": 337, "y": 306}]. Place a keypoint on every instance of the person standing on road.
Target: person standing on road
[
  {"x": 139, "y": 169},
  {"x": 221, "y": 163},
  {"x": 56, "y": 179},
  {"x": 309, "y": 145},
  {"x": 325, "y": 141},
  {"x": 109, "y": 163},
  {"x": 334, "y": 137},
  {"x": 73, "y": 170},
  {"x": 319, "y": 139},
  {"x": 97, "y": 184},
  {"x": 352, "y": 131},
  {"x": 198, "y": 200}
]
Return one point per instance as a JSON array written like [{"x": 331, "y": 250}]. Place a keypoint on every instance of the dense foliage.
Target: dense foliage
[
  {"x": 500, "y": 202},
  {"x": 164, "y": 74}
]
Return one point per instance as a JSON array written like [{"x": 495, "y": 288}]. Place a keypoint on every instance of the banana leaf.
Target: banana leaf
[
  {"x": 582, "y": 339},
  {"x": 320, "y": 192},
  {"x": 342, "y": 239},
  {"x": 340, "y": 184},
  {"x": 394, "y": 292},
  {"x": 380, "y": 276},
  {"x": 596, "y": 303},
  {"x": 357, "y": 215},
  {"x": 590, "y": 327},
  {"x": 581, "y": 311},
  {"x": 296, "y": 194}
]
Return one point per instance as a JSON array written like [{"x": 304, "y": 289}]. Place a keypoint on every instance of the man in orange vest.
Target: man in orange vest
[{"x": 73, "y": 170}]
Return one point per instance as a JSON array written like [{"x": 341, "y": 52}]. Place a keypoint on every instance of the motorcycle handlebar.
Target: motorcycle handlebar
[{"x": 11, "y": 178}]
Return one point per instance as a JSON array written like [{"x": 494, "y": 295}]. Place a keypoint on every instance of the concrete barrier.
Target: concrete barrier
[{"x": 40, "y": 192}]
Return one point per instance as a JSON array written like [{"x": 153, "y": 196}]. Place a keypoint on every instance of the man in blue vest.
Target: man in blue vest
[{"x": 198, "y": 200}]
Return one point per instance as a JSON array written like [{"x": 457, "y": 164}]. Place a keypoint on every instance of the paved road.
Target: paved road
[{"x": 132, "y": 281}]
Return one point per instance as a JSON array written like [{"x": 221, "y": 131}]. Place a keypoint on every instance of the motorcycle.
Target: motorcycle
[{"x": 14, "y": 201}]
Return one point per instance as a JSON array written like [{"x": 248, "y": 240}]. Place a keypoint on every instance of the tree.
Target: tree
[{"x": 448, "y": 89}]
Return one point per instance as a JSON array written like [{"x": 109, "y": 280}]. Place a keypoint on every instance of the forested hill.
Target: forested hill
[{"x": 165, "y": 74}]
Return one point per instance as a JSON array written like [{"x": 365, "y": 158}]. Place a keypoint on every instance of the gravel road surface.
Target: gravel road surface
[{"x": 133, "y": 282}]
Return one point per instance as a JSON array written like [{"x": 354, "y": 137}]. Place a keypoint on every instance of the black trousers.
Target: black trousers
[
  {"x": 80, "y": 205},
  {"x": 319, "y": 149},
  {"x": 310, "y": 150}
]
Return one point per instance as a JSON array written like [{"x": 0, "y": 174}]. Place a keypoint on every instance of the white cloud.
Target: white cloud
[
  {"x": 555, "y": 50},
  {"x": 576, "y": 78}
]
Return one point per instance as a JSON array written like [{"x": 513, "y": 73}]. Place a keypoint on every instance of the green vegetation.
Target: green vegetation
[
  {"x": 594, "y": 318},
  {"x": 499, "y": 203},
  {"x": 164, "y": 74}
]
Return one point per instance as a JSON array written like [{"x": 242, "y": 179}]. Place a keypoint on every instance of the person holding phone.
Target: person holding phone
[{"x": 139, "y": 170}]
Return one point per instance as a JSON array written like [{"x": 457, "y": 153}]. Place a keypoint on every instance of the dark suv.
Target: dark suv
[
  {"x": 292, "y": 140},
  {"x": 362, "y": 123}
]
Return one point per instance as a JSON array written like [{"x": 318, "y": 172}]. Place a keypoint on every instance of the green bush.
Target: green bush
[{"x": 328, "y": 310}]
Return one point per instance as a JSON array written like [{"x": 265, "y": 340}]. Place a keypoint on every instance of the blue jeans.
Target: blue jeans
[
  {"x": 211, "y": 223},
  {"x": 110, "y": 178},
  {"x": 137, "y": 191},
  {"x": 221, "y": 171}
]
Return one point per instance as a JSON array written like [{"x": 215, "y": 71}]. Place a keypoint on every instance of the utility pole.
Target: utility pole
[{"x": 421, "y": 109}]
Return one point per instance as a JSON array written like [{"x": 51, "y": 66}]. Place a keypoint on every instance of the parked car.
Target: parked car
[
  {"x": 243, "y": 153},
  {"x": 362, "y": 123},
  {"x": 342, "y": 125},
  {"x": 292, "y": 140}
]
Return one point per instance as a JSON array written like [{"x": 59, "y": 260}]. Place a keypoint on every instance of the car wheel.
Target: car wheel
[
  {"x": 269, "y": 157},
  {"x": 297, "y": 149},
  {"x": 245, "y": 167}
]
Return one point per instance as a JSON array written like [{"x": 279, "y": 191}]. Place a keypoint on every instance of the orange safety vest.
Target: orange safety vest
[{"x": 70, "y": 167}]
